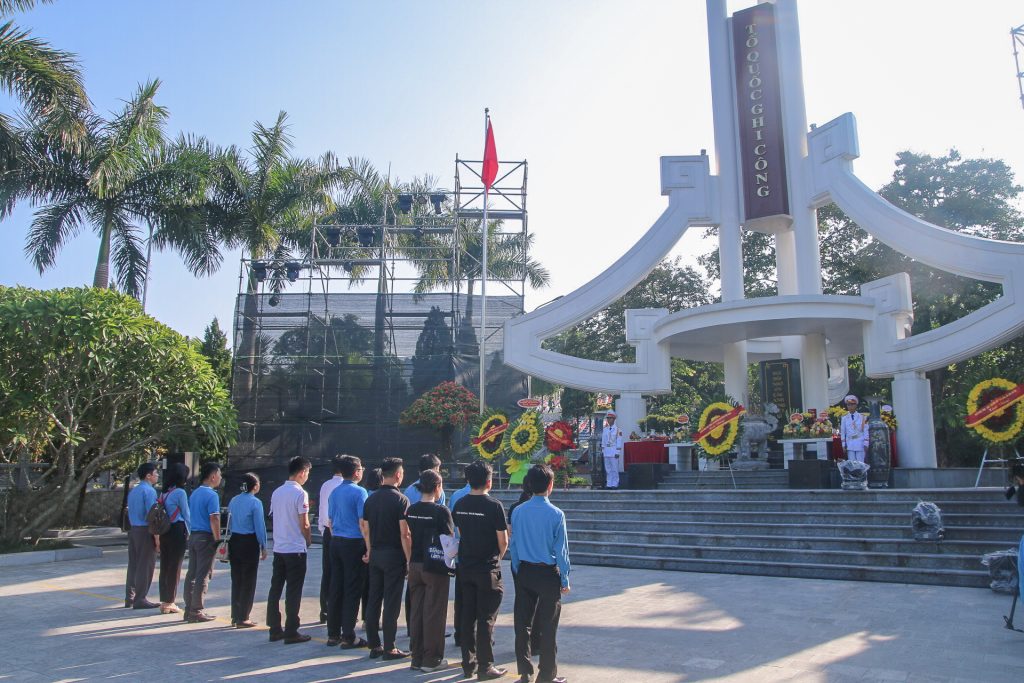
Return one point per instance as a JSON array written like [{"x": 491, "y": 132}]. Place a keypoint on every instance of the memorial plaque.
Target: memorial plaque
[
  {"x": 759, "y": 113},
  {"x": 780, "y": 384}
]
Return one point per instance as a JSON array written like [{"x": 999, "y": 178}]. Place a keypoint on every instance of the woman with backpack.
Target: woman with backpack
[
  {"x": 173, "y": 541},
  {"x": 247, "y": 545}
]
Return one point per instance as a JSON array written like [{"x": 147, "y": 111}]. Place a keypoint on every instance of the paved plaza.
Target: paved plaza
[{"x": 64, "y": 622}]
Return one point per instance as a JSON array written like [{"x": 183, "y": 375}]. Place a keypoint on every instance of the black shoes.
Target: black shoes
[
  {"x": 200, "y": 618},
  {"x": 300, "y": 638},
  {"x": 333, "y": 642},
  {"x": 376, "y": 652},
  {"x": 274, "y": 637},
  {"x": 353, "y": 644},
  {"x": 145, "y": 604},
  {"x": 491, "y": 673},
  {"x": 394, "y": 654},
  {"x": 524, "y": 678}
]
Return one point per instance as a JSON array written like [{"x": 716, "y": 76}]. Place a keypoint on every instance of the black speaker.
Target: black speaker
[
  {"x": 643, "y": 476},
  {"x": 811, "y": 474}
]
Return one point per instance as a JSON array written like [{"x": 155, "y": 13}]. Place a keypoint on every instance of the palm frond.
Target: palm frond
[
  {"x": 126, "y": 139},
  {"x": 12, "y": 6},
  {"x": 46, "y": 81},
  {"x": 52, "y": 226},
  {"x": 127, "y": 250}
]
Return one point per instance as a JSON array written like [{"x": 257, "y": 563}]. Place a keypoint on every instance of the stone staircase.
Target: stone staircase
[
  {"x": 721, "y": 479},
  {"x": 829, "y": 534}
]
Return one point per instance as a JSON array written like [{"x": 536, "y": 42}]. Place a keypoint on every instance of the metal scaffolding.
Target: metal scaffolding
[{"x": 331, "y": 347}]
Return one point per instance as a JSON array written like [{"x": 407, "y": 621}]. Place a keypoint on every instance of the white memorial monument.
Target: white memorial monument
[{"x": 772, "y": 174}]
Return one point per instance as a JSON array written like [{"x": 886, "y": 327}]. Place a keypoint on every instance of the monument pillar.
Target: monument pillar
[
  {"x": 915, "y": 437},
  {"x": 630, "y": 408}
]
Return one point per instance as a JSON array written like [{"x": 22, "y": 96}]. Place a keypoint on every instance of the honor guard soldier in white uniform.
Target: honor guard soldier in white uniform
[
  {"x": 611, "y": 449},
  {"x": 853, "y": 429}
]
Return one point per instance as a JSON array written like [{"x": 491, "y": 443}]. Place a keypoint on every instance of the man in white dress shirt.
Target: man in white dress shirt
[
  {"x": 853, "y": 429},
  {"x": 611, "y": 449}
]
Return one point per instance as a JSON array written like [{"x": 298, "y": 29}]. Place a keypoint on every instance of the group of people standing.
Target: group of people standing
[{"x": 375, "y": 545}]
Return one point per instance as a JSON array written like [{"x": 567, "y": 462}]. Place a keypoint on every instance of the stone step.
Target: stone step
[
  {"x": 992, "y": 496},
  {"x": 998, "y": 538},
  {"x": 946, "y": 548},
  {"x": 895, "y": 507},
  {"x": 923, "y": 561},
  {"x": 940, "y": 577},
  {"x": 818, "y": 516}
]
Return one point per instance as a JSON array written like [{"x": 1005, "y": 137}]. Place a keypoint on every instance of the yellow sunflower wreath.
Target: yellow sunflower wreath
[
  {"x": 487, "y": 434},
  {"x": 995, "y": 411},
  {"x": 524, "y": 439},
  {"x": 718, "y": 427}
]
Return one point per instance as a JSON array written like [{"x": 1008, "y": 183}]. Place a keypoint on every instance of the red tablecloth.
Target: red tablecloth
[{"x": 639, "y": 452}]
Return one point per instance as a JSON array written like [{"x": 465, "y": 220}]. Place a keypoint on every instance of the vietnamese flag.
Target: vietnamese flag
[{"x": 490, "y": 169}]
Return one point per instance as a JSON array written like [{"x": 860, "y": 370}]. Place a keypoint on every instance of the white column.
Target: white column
[
  {"x": 730, "y": 244},
  {"x": 912, "y": 403},
  {"x": 814, "y": 372}
]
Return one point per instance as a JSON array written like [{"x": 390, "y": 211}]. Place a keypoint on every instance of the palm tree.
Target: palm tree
[
  {"x": 46, "y": 82},
  {"x": 122, "y": 172},
  {"x": 266, "y": 206}
]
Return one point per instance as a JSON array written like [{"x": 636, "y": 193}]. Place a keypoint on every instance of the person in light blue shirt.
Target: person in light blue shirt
[
  {"x": 428, "y": 461},
  {"x": 204, "y": 504},
  {"x": 174, "y": 541},
  {"x": 348, "y": 571},
  {"x": 142, "y": 545},
  {"x": 540, "y": 560},
  {"x": 247, "y": 545},
  {"x": 457, "y": 496}
]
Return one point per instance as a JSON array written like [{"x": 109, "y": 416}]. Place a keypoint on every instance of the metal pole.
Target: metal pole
[{"x": 483, "y": 288}]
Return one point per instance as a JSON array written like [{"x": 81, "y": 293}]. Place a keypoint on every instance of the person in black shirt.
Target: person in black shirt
[
  {"x": 428, "y": 591},
  {"x": 483, "y": 540},
  {"x": 388, "y": 549}
]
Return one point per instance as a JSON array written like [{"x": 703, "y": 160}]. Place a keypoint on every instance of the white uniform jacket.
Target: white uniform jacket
[
  {"x": 611, "y": 441},
  {"x": 853, "y": 429}
]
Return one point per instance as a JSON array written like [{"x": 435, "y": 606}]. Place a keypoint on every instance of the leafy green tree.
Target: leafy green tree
[
  {"x": 87, "y": 380},
  {"x": 215, "y": 348},
  {"x": 123, "y": 172}
]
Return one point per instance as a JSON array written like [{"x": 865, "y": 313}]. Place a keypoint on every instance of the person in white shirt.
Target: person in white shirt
[
  {"x": 611, "y": 449},
  {"x": 853, "y": 429},
  {"x": 323, "y": 516},
  {"x": 289, "y": 511}
]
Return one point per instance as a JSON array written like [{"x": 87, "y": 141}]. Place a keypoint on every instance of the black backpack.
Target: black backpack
[{"x": 157, "y": 519}]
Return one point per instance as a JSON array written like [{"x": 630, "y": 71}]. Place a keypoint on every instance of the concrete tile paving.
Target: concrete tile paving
[{"x": 64, "y": 622}]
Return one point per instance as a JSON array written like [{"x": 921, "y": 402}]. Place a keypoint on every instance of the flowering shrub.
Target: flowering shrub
[
  {"x": 446, "y": 405},
  {"x": 808, "y": 425}
]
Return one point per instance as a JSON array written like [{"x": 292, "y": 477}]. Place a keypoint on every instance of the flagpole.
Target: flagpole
[{"x": 483, "y": 287}]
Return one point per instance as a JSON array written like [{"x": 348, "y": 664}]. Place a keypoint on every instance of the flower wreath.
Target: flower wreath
[
  {"x": 558, "y": 437},
  {"x": 718, "y": 428},
  {"x": 522, "y": 440},
  {"x": 995, "y": 411},
  {"x": 487, "y": 435}
]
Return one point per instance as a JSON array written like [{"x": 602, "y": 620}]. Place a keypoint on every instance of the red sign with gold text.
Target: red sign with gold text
[
  {"x": 995, "y": 405},
  {"x": 719, "y": 422}
]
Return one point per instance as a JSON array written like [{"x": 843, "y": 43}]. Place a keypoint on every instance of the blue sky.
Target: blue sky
[{"x": 591, "y": 93}]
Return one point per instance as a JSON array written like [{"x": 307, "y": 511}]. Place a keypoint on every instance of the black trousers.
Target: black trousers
[
  {"x": 290, "y": 570},
  {"x": 172, "y": 553},
  {"x": 482, "y": 592},
  {"x": 387, "y": 573},
  {"x": 348, "y": 578},
  {"x": 538, "y": 606},
  {"x": 244, "y": 550},
  {"x": 325, "y": 573}
]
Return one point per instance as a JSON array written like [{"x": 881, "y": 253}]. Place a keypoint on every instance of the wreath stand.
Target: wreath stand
[
  {"x": 728, "y": 466},
  {"x": 985, "y": 460}
]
